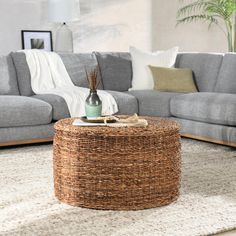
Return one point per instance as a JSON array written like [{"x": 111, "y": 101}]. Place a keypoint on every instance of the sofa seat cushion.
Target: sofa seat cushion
[
  {"x": 127, "y": 103},
  {"x": 23, "y": 111},
  {"x": 212, "y": 108},
  {"x": 154, "y": 103},
  {"x": 59, "y": 107}
]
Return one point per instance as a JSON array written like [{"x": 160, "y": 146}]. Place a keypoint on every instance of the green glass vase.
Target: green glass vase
[{"x": 93, "y": 105}]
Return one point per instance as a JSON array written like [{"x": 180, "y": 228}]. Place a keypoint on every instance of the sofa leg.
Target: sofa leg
[
  {"x": 30, "y": 141},
  {"x": 202, "y": 138}
]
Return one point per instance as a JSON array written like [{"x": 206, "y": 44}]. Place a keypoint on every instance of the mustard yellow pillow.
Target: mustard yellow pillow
[{"x": 173, "y": 79}]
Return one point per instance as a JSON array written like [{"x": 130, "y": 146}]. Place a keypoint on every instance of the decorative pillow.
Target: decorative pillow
[
  {"x": 173, "y": 80},
  {"x": 76, "y": 64},
  {"x": 142, "y": 78},
  {"x": 116, "y": 70}
]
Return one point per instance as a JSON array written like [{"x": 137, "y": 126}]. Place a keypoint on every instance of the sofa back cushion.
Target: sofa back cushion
[
  {"x": 8, "y": 79},
  {"x": 23, "y": 73},
  {"x": 226, "y": 82},
  {"x": 116, "y": 70},
  {"x": 205, "y": 68},
  {"x": 76, "y": 64}
]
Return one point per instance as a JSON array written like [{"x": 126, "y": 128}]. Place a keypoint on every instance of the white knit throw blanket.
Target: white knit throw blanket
[{"x": 49, "y": 76}]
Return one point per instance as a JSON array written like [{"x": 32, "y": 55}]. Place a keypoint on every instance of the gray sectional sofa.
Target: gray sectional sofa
[{"x": 208, "y": 115}]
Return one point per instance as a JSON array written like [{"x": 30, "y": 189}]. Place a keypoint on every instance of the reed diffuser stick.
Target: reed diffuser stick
[{"x": 92, "y": 78}]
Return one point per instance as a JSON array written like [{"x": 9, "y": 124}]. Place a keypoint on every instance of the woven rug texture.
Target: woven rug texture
[{"x": 207, "y": 203}]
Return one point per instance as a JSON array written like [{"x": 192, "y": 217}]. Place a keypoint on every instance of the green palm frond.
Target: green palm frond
[
  {"x": 194, "y": 18},
  {"x": 188, "y": 9},
  {"x": 213, "y": 12},
  {"x": 219, "y": 8},
  {"x": 222, "y": 8}
]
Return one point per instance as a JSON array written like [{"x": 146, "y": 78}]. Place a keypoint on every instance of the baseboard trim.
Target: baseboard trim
[
  {"x": 207, "y": 139},
  {"x": 29, "y": 141}
]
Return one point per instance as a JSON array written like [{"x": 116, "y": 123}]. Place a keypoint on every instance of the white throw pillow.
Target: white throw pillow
[{"x": 142, "y": 78}]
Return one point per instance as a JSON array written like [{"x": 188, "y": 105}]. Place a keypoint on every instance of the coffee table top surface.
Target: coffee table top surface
[{"x": 156, "y": 126}]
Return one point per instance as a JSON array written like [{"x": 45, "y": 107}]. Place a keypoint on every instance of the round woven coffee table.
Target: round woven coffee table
[{"x": 117, "y": 168}]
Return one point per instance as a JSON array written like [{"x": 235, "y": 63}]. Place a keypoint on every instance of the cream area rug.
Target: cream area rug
[{"x": 207, "y": 204}]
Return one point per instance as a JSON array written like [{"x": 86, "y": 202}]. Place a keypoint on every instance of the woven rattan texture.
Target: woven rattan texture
[{"x": 117, "y": 168}]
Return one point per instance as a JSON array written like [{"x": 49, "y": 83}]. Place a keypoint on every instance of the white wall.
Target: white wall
[
  {"x": 105, "y": 25},
  {"x": 16, "y": 15},
  {"x": 111, "y": 25},
  {"x": 190, "y": 37}
]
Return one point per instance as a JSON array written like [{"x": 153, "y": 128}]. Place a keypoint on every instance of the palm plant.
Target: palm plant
[{"x": 219, "y": 12}]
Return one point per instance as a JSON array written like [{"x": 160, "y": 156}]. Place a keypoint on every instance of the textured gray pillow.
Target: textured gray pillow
[
  {"x": 76, "y": 63},
  {"x": 116, "y": 70},
  {"x": 226, "y": 82},
  {"x": 8, "y": 79},
  {"x": 23, "y": 73}
]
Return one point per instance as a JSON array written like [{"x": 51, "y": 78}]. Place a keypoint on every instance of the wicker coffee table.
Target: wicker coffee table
[{"x": 117, "y": 168}]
